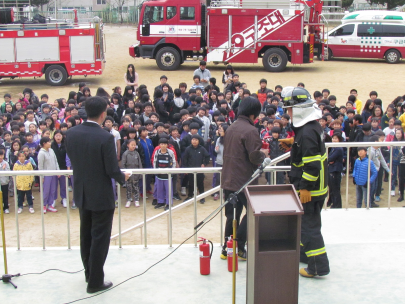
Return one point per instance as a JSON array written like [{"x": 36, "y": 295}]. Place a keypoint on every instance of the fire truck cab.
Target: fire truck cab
[
  {"x": 58, "y": 49},
  {"x": 369, "y": 34},
  {"x": 229, "y": 31}
]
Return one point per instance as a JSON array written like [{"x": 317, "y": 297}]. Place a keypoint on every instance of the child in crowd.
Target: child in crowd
[
  {"x": 360, "y": 176},
  {"x": 195, "y": 156},
  {"x": 263, "y": 91},
  {"x": 164, "y": 158},
  {"x": 148, "y": 150},
  {"x": 377, "y": 158},
  {"x": 275, "y": 151},
  {"x": 390, "y": 128},
  {"x": 337, "y": 127},
  {"x": 58, "y": 147},
  {"x": 132, "y": 160},
  {"x": 24, "y": 182},
  {"x": 174, "y": 141},
  {"x": 47, "y": 161},
  {"x": 335, "y": 161},
  {"x": 401, "y": 174},
  {"x": 396, "y": 158},
  {"x": 219, "y": 150},
  {"x": 4, "y": 180}
]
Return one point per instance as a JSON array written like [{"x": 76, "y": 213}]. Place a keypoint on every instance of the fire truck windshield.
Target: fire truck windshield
[{"x": 152, "y": 14}]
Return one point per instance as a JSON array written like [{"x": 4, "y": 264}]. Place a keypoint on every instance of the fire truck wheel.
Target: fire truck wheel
[
  {"x": 168, "y": 59},
  {"x": 55, "y": 75},
  {"x": 392, "y": 56},
  {"x": 275, "y": 60}
]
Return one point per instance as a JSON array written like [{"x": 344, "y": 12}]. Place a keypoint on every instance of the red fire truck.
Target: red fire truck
[
  {"x": 229, "y": 31},
  {"x": 57, "y": 49}
]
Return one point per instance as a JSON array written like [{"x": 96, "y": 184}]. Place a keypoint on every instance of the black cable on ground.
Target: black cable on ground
[{"x": 24, "y": 274}]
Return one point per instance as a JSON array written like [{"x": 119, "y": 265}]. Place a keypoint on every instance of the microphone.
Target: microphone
[{"x": 265, "y": 163}]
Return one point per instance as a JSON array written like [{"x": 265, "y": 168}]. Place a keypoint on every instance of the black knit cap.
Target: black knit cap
[{"x": 194, "y": 125}]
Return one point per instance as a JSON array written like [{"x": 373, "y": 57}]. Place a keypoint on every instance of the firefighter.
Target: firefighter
[{"x": 309, "y": 175}]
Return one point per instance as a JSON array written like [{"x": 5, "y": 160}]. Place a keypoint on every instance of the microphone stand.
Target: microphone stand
[
  {"x": 6, "y": 278},
  {"x": 233, "y": 199}
]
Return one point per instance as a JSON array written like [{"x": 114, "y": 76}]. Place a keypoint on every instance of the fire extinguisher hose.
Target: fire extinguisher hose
[{"x": 212, "y": 248}]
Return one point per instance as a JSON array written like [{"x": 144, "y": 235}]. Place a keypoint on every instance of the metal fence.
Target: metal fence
[
  {"x": 272, "y": 168},
  {"x": 113, "y": 16}
]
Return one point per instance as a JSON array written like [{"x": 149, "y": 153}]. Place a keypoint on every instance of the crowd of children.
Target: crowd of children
[{"x": 169, "y": 128}]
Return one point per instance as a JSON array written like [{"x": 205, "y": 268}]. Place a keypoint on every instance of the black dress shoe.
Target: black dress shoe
[{"x": 106, "y": 285}]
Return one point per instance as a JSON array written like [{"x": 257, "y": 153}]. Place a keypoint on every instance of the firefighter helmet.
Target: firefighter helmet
[
  {"x": 304, "y": 108},
  {"x": 294, "y": 96}
]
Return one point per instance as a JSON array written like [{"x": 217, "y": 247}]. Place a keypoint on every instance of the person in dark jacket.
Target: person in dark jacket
[
  {"x": 356, "y": 129},
  {"x": 366, "y": 133},
  {"x": 116, "y": 100},
  {"x": 335, "y": 161},
  {"x": 160, "y": 106},
  {"x": 93, "y": 156},
  {"x": 163, "y": 80},
  {"x": 195, "y": 156},
  {"x": 240, "y": 141},
  {"x": 58, "y": 146},
  {"x": 309, "y": 173},
  {"x": 177, "y": 105},
  {"x": 186, "y": 141}
]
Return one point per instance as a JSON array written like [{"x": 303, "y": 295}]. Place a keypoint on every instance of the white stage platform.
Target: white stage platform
[{"x": 365, "y": 248}]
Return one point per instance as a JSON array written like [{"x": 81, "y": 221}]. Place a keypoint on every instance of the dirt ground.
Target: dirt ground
[{"x": 339, "y": 76}]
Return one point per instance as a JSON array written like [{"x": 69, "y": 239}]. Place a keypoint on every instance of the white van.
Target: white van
[{"x": 368, "y": 34}]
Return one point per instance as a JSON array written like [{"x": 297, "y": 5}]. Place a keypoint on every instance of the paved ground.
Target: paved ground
[{"x": 365, "y": 249}]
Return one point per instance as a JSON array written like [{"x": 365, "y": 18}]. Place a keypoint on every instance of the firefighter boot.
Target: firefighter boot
[{"x": 304, "y": 272}]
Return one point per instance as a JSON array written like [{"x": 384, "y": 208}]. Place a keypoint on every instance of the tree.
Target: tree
[
  {"x": 39, "y": 3},
  {"x": 346, "y": 3},
  {"x": 391, "y": 4},
  {"x": 119, "y": 4}
]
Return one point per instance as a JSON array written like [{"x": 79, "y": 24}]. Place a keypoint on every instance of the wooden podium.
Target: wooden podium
[{"x": 273, "y": 242}]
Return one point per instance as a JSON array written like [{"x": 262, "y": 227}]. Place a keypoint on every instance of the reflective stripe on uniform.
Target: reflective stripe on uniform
[
  {"x": 322, "y": 187},
  {"x": 301, "y": 244},
  {"x": 309, "y": 159},
  {"x": 319, "y": 192},
  {"x": 316, "y": 252},
  {"x": 309, "y": 177}
]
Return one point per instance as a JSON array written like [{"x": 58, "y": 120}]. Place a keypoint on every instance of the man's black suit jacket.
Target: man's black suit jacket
[{"x": 92, "y": 153}]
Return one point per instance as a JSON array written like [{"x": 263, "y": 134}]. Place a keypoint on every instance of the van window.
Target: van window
[
  {"x": 369, "y": 30},
  {"x": 152, "y": 14},
  {"x": 171, "y": 12},
  {"x": 187, "y": 13},
  {"x": 345, "y": 30},
  {"x": 394, "y": 30}
]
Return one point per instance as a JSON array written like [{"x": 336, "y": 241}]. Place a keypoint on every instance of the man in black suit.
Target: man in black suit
[{"x": 94, "y": 161}]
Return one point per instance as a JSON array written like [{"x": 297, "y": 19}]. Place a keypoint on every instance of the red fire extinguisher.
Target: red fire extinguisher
[
  {"x": 205, "y": 256},
  {"x": 229, "y": 246}
]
